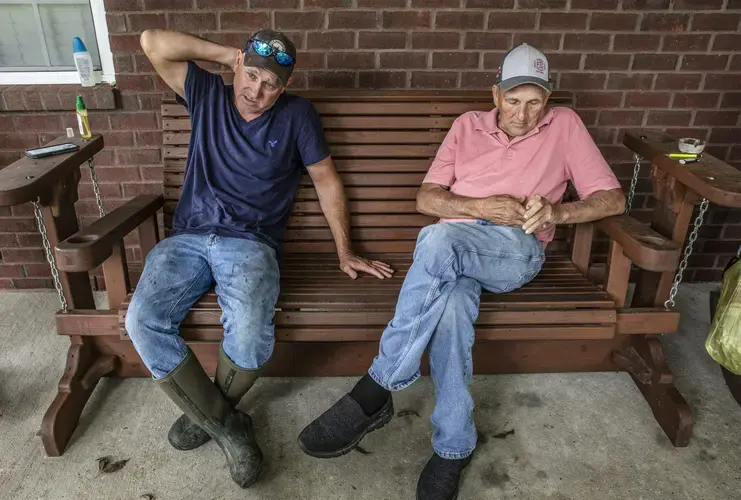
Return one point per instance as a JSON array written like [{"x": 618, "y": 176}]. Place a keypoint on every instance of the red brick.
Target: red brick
[
  {"x": 435, "y": 40},
  {"x": 681, "y": 43},
  {"x": 733, "y": 4},
  {"x": 116, "y": 139},
  {"x": 630, "y": 81},
  {"x": 152, "y": 173},
  {"x": 655, "y": 62},
  {"x": 704, "y": 62},
  {"x": 150, "y": 138},
  {"x": 107, "y": 191},
  {"x": 721, "y": 81},
  {"x": 350, "y": 60},
  {"x": 8, "y": 240},
  {"x": 621, "y": 117},
  {"x": 116, "y": 23},
  {"x": 603, "y": 135},
  {"x": 382, "y": 3},
  {"x": 135, "y": 82},
  {"x": 312, "y": 60},
  {"x": 8, "y": 157},
  {"x": 13, "y": 98},
  {"x": 331, "y": 79},
  {"x": 695, "y": 100},
  {"x": 586, "y": 42},
  {"x": 37, "y": 123},
  {"x": 493, "y": 60},
  {"x": 647, "y": 99},
  {"x": 23, "y": 255},
  {"x": 594, "y": 4},
  {"x": 121, "y": 62},
  {"x": 646, "y": 4},
  {"x": 331, "y": 40},
  {"x": 735, "y": 154},
  {"x": 122, "y": 5},
  {"x": 541, "y": 4},
  {"x": 613, "y": 22},
  {"x": 435, "y": 3},
  {"x": 636, "y": 43},
  {"x": 476, "y": 79},
  {"x": 731, "y": 100},
  {"x": 561, "y": 61},
  {"x": 484, "y": 40},
  {"x": 677, "y": 81},
  {"x": 607, "y": 61},
  {"x": 12, "y": 271},
  {"x": 716, "y": 22},
  {"x": 19, "y": 141},
  {"x": 327, "y": 4},
  {"x": 543, "y": 41},
  {"x": 563, "y": 21},
  {"x": 150, "y": 101},
  {"x": 706, "y": 275},
  {"x": 105, "y": 158},
  {"x": 244, "y": 20},
  {"x": 665, "y": 22},
  {"x": 669, "y": 118},
  {"x": 726, "y": 42},
  {"x": 460, "y": 20},
  {"x": 433, "y": 80},
  {"x": 25, "y": 210},
  {"x": 698, "y": 4},
  {"x": 125, "y": 43},
  {"x": 6, "y": 123},
  {"x": 382, "y": 40},
  {"x": 191, "y": 22},
  {"x": 135, "y": 189},
  {"x": 722, "y": 247},
  {"x": 720, "y": 118},
  {"x": 354, "y": 19},
  {"x": 598, "y": 99},
  {"x": 170, "y": 5},
  {"x": 382, "y": 79},
  {"x": 133, "y": 121},
  {"x": 512, "y": 20},
  {"x": 403, "y": 60},
  {"x": 117, "y": 174},
  {"x": 720, "y": 152},
  {"x": 32, "y": 283},
  {"x": 141, "y": 22},
  {"x": 299, "y": 20},
  {"x": 490, "y": 4},
  {"x": 582, "y": 81},
  {"x": 125, "y": 156},
  {"x": 455, "y": 60},
  {"x": 38, "y": 270},
  {"x": 407, "y": 19}
]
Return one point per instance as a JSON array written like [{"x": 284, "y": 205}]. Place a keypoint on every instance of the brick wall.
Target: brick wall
[{"x": 672, "y": 64}]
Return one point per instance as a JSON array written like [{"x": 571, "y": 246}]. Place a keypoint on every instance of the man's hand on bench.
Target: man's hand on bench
[{"x": 351, "y": 264}]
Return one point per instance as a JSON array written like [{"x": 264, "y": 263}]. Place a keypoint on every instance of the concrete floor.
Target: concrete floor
[{"x": 577, "y": 436}]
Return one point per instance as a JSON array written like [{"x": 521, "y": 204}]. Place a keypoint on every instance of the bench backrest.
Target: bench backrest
[{"x": 382, "y": 143}]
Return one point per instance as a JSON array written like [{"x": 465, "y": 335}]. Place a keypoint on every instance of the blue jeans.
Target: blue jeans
[
  {"x": 437, "y": 307},
  {"x": 178, "y": 271}
]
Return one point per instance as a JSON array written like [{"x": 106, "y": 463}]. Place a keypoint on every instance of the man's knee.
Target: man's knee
[{"x": 463, "y": 302}]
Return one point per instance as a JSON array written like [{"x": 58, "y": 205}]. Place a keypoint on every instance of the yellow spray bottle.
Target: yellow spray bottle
[{"x": 82, "y": 119}]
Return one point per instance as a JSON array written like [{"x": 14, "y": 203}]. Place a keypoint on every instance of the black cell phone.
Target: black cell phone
[{"x": 57, "y": 149}]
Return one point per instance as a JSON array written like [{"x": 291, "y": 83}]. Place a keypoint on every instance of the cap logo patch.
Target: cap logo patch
[
  {"x": 539, "y": 65},
  {"x": 278, "y": 45}
]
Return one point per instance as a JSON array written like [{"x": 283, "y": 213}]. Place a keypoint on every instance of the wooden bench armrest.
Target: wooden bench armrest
[
  {"x": 90, "y": 247},
  {"x": 709, "y": 177},
  {"x": 642, "y": 245}
]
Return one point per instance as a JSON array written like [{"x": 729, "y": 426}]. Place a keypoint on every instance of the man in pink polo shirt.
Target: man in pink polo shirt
[{"x": 496, "y": 184}]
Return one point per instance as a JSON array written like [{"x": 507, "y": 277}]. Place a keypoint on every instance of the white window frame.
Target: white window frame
[{"x": 105, "y": 75}]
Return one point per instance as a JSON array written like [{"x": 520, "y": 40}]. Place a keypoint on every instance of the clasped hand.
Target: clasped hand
[{"x": 531, "y": 214}]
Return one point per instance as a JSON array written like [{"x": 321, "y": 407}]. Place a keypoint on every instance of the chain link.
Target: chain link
[
  {"x": 687, "y": 252},
  {"x": 96, "y": 187},
  {"x": 633, "y": 182},
  {"x": 49, "y": 255}
]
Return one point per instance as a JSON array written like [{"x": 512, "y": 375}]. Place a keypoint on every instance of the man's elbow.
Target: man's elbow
[
  {"x": 148, "y": 40},
  {"x": 619, "y": 203},
  {"x": 423, "y": 202}
]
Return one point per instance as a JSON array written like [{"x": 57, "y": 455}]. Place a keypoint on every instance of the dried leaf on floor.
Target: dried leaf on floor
[
  {"x": 148, "y": 496},
  {"x": 404, "y": 413},
  {"x": 106, "y": 466},
  {"x": 103, "y": 463},
  {"x": 362, "y": 450},
  {"x": 504, "y": 434}
]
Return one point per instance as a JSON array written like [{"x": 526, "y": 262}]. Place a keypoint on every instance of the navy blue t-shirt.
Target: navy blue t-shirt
[{"x": 241, "y": 177}]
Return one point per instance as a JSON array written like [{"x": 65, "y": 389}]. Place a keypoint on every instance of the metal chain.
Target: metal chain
[
  {"x": 687, "y": 252},
  {"x": 49, "y": 255},
  {"x": 633, "y": 182},
  {"x": 96, "y": 187}
]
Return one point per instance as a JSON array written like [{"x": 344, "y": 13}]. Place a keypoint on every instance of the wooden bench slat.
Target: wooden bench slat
[
  {"x": 341, "y": 150},
  {"x": 349, "y": 179},
  {"x": 391, "y": 165},
  {"x": 346, "y": 137}
]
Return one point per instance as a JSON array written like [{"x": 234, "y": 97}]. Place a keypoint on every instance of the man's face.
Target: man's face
[
  {"x": 255, "y": 89},
  {"x": 520, "y": 108}
]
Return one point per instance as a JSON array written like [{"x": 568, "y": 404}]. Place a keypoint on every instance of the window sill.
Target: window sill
[{"x": 55, "y": 97}]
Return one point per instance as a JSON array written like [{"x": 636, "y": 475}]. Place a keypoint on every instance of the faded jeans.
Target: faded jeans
[
  {"x": 178, "y": 271},
  {"x": 437, "y": 307}
]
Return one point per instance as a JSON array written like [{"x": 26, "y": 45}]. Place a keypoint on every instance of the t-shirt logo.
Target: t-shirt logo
[
  {"x": 539, "y": 66},
  {"x": 272, "y": 143}
]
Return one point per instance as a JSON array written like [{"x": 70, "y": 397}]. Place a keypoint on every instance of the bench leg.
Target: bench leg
[
  {"x": 644, "y": 360},
  {"x": 84, "y": 368}
]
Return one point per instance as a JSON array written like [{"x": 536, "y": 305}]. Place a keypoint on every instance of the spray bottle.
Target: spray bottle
[{"x": 82, "y": 119}]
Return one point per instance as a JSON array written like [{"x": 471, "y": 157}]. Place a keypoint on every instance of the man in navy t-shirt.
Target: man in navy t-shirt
[{"x": 250, "y": 142}]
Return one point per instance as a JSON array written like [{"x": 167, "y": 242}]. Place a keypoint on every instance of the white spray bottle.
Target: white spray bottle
[{"x": 83, "y": 63}]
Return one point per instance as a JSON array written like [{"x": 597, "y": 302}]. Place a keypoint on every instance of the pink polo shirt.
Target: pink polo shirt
[{"x": 477, "y": 159}]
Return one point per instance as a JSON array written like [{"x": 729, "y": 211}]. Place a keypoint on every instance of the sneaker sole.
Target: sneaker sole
[{"x": 382, "y": 420}]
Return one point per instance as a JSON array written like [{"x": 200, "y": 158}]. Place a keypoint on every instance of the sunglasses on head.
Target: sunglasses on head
[{"x": 265, "y": 50}]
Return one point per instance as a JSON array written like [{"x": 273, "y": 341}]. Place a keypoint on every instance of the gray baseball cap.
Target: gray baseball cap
[{"x": 524, "y": 64}]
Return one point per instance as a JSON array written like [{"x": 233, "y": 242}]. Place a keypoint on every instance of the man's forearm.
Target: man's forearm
[
  {"x": 597, "y": 206},
  {"x": 439, "y": 202},
  {"x": 176, "y": 46},
  {"x": 333, "y": 202}
]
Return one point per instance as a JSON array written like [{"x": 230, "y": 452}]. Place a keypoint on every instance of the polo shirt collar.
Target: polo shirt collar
[{"x": 488, "y": 122}]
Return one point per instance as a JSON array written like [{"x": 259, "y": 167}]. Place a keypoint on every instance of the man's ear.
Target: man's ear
[
  {"x": 495, "y": 94},
  {"x": 239, "y": 58},
  {"x": 290, "y": 79}
]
